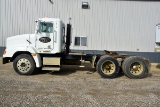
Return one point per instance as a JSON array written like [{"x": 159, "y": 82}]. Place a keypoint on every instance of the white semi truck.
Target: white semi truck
[{"x": 49, "y": 49}]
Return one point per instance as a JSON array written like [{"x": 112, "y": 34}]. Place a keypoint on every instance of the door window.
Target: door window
[{"x": 46, "y": 27}]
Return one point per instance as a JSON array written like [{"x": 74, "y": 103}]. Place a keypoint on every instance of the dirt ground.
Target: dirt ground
[{"x": 77, "y": 87}]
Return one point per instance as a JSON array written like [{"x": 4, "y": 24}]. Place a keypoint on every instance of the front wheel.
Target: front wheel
[{"x": 24, "y": 64}]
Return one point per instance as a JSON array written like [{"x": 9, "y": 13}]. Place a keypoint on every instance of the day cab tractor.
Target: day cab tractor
[{"x": 49, "y": 49}]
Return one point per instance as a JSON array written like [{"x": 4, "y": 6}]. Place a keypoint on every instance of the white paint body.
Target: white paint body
[{"x": 30, "y": 42}]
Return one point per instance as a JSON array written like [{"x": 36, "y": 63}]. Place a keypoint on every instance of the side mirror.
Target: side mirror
[{"x": 37, "y": 27}]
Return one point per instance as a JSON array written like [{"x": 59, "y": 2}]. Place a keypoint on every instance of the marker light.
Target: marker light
[
  {"x": 33, "y": 54},
  {"x": 4, "y": 52}
]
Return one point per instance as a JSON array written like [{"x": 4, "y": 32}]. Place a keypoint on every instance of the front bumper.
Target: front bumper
[{"x": 5, "y": 60}]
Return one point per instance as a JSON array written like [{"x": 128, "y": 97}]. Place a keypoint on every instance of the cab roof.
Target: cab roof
[{"x": 49, "y": 19}]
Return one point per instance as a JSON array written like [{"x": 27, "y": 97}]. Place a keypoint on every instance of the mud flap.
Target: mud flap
[{"x": 5, "y": 60}]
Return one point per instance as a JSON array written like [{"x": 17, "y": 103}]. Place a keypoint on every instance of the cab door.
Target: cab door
[{"x": 44, "y": 39}]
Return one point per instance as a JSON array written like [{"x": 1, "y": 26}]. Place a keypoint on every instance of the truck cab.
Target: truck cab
[{"x": 48, "y": 39}]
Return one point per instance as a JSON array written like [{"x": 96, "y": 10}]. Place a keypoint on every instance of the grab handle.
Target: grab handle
[{"x": 55, "y": 36}]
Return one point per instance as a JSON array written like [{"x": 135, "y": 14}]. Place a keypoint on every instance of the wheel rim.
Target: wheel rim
[
  {"x": 136, "y": 68},
  {"x": 23, "y": 65},
  {"x": 108, "y": 67}
]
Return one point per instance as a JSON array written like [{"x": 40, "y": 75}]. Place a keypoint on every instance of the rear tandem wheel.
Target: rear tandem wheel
[
  {"x": 107, "y": 67},
  {"x": 135, "y": 67}
]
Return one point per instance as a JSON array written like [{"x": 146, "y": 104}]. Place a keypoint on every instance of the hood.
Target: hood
[
  {"x": 18, "y": 40},
  {"x": 19, "y": 36}
]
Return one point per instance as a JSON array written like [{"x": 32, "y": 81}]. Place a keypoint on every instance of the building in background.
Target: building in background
[{"x": 125, "y": 26}]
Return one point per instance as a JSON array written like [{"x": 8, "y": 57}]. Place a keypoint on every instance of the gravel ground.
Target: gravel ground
[{"x": 77, "y": 87}]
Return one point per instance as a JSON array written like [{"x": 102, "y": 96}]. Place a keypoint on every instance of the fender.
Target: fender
[
  {"x": 12, "y": 50},
  {"x": 35, "y": 55}
]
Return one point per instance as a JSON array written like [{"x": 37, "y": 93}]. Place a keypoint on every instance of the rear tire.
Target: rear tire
[
  {"x": 24, "y": 64},
  {"x": 135, "y": 67},
  {"x": 107, "y": 67},
  {"x": 124, "y": 61}
]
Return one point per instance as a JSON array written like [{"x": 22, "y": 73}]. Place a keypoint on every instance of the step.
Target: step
[{"x": 51, "y": 68}]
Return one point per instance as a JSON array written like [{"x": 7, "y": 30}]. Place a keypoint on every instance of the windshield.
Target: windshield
[{"x": 46, "y": 27}]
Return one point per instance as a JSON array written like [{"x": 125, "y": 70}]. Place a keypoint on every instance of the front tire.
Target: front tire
[
  {"x": 107, "y": 67},
  {"x": 24, "y": 64}
]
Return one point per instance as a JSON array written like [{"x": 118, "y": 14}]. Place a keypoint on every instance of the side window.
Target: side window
[
  {"x": 80, "y": 41},
  {"x": 46, "y": 27},
  {"x": 83, "y": 41},
  {"x": 77, "y": 41}
]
